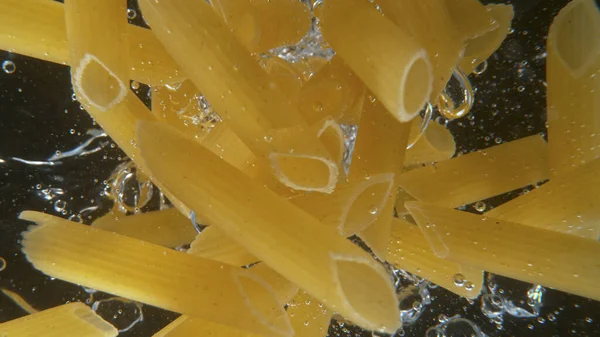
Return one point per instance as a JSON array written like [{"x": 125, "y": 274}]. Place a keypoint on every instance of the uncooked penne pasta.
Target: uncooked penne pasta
[
  {"x": 561, "y": 261},
  {"x": 283, "y": 289},
  {"x": 20, "y": 301},
  {"x": 408, "y": 250},
  {"x": 393, "y": 66},
  {"x": 309, "y": 318},
  {"x": 471, "y": 18},
  {"x": 186, "y": 326},
  {"x": 573, "y": 85},
  {"x": 480, "y": 48},
  {"x": 73, "y": 319},
  {"x": 435, "y": 144},
  {"x": 479, "y": 175},
  {"x": 36, "y": 28},
  {"x": 213, "y": 244},
  {"x": 153, "y": 275},
  {"x": 167, "y": 228},
  {"x": 262, "y": 25},
  {"x": 565, "y": 204},
  {"x": 313, "y": 256},
  {"x": 377, "y": 235},
  {"x": 431, "y": 25},
  {"x": 401, "y": 198}
]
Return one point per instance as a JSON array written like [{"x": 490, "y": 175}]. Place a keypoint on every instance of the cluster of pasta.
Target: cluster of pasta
[{"x": 269, "y": 179}]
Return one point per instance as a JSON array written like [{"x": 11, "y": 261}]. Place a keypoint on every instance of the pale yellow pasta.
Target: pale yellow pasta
[
  {"x": 284, "y": 289},
  {"x": 261, "y": 25},
  {"x": 566, "y": 204},
  {"x": 470, "y": 17},
  {"x": 311, "y": 255},
  {"x": 377, "y": 235},
  {"x": 20, "y": 301},
  {"x": 435, "y": 144},
  {"x": 168, "y": 228},
  {"x": 286, "y": 75},
  {"x": 308, "y": 317},
  {"x": 431, "y": 25},
  {"x": 408, "y": 250},
  {"x": 153, "y": 275},
  {"x": 36, "y": 28},
  {"x": 213, "y": 244},
  {"x": 573, "y": 85},
  {"x": 401, "y": 198},
  {"x": 561, "y": 261},
  {"x": 479, "y": 175},
  {"x": 186, "y": 326},
  {"x": 480, "y": 48},
  {"x": 73, "y": 319},
  {"x": 393, "y": 66}
]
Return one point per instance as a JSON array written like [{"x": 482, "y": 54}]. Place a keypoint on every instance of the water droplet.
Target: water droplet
[
  {"x": 72, "y": 131},
  {"x": 135, "y": 85},
  {"x": 481, "y": 68},
  {"x": 480, "y": 206},
  {"x": 541, "y": 320},
  {"x": 268, "y": 138},
  {"x": 373, "y": 210},
  {"x": 9, "y": 67},
  {"x": 587, "y": 319},
  {"x": 60, "y": 205},
  {"x": 459, "y": 280},
  {"x": 2, "y": 264},
  {"x": 521, "y": 88},
  {"x": 498, "y": 140},
  {"x": 469, "y": 286},
  {"x": 306, "y": 323},
  {"x": 551, "y": 317},
  {"x": 131, "y": 14}
]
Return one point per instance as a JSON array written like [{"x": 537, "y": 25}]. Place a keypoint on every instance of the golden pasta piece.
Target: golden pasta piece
[
  {"x": 308, "y": 317},
  {"x": 334, "y": 91},
  {"x": 73, "y": 319},
  {"x": 561, "y": 261},
  {"x": 286, "y": 75},
  {"x": 153, "y": 275},
  {"x": 36, "y": 28},
  {"x": 435, "y": 144},
  {"x": 479, "y": 175},
  {"x": 186, "y": 326},
  {"x": 20, "y": 301},
  {"x": 431, "y": 25},
  {"x": 313, "y": 256},
  {"x": 480, "y": 48},
  {"x": 213, "y": 244},
  {"x": 573, "y": 85},
  {"x": 393, "y": 66},
  {"x": 377, "y": 234},
  {"x": 408, "y": 250},
  {"x": 471, "y": 18},
  {"x": 401, "y": 198},
  {"x": 331, "y": 135},
  {"x": 284, "y": 289},
  {"x": 565, "y": 204},
  {"x": 167, "y": 228},
  {"x": 262, "y": 25}
]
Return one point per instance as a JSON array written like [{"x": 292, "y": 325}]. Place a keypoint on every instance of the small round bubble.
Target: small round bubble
[{"x": 9, "y": 67}]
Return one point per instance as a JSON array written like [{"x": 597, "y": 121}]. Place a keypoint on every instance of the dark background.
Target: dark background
[{"x": 39, "y": 117}]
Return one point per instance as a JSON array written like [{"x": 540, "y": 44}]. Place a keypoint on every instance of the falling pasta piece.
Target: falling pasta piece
[
  {"x": 480, "y": 48},
  {"x": 393, "y": 66},
  {"x": 20, "y": 301},
  {"x": 408, "y": 250},
  {"x": 213, "y": 244},
  {"x": 145, "y": 272},
  {"x": 434, "y": 145},
  {"x": 573, "y": 85},
  {"x": 431, "y": 25},
  {"x": 561, "y": 261},
  {"x": 565, "y": 204},
  {"x": 308, "y": 317},
  {"x": 73, "y": 319},
  {"x": 471, "y": 18},
  {"x": 313, "y": 256},
  {"x": 167, "y": 228},
  {"x": 479, "y": 175},
  {"x": 262, "y": 25}
]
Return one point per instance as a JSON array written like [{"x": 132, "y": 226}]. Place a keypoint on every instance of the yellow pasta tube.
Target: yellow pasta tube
[
  {"x": 479, "y": 175},
  {"x": 36, "y": 28},
  {"x": 435, "y": 144},
  {"x": 471, "y": 18},
  {"x": 313, "y": 256},
  {"x": 561, "y": 261},
  {"x": 262, "y": 25},
  {"x": 408, "y": 250},
  {"x": 571, "y": 72},
  {"x": 431, "y": 25},
  {"x": 20, "y": 301},
  {"x": 152, "y": 274},
  {"x": 334, "y": 91},
  {"x": 393, "y": 66},
  {"x": 309, "y": 318},
  {"x": 186, "y": 326},
  {"x": 284, "y": 289},
  {"x": 565, "y": 204},
  {"x": 213, "y": 244},
  {"x": 240, "y": 90},
  {"x": 480, "y": 48},
  {"x": 167, "y": 228},
  {"x": 377, "y": 234},
  {"x": 73, "y": 319}
]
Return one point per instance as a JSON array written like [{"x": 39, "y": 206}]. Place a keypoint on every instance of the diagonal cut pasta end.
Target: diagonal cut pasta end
[
  {"x": 103, "y": 96},
  {"x": 305, "y": 172},
  {"x": 415, "y": 87},
  {"x": 88, "y": 316},
  {"x": 428, "y": 228}
]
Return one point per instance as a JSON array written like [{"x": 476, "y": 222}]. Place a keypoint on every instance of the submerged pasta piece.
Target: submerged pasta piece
[
  {"x": 480, "y": 48},
  {"x": 186, "y": 326},
  {"x": 561, "y": 261},
  {"x": 393, "y": 66},
  {"x": 153, "y": 275},
  {"x": 262, "y": 25},
  {"x": 479, "y": 175},
  {"x": 73, "y": 319},
  {"x": 471, "y": 18},
  {"x": 573, "y": 85},
  {"x": 566, "y": 204},
  {"x": 213, "y": 244},
  {"x": 36, "y": 28},
  {"x": 435, "y": 144},
  {"x": 20, "y": 301},
  {"x": 313, "y": 256},
  {"x": 308, "y": 317},
  {"x": 408, "y": 250},
  {"x": 168, "y": 228}
]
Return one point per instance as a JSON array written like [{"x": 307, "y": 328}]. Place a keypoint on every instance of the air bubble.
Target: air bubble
[
  {"x": 373, "y": 210},
  {"x": 480, "y": 68},
  {"x": 2, "y": 264},
  {"x": 480, "y": 206},
  {"x": 60, "y": 205},
  {"x": 135, "y": 85},
  {"x": 469, "y": 286},
  {"x": 459, "y": 280},
  {"x": 9, "y": 67},
  {"x": 131, "y": 14}
]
